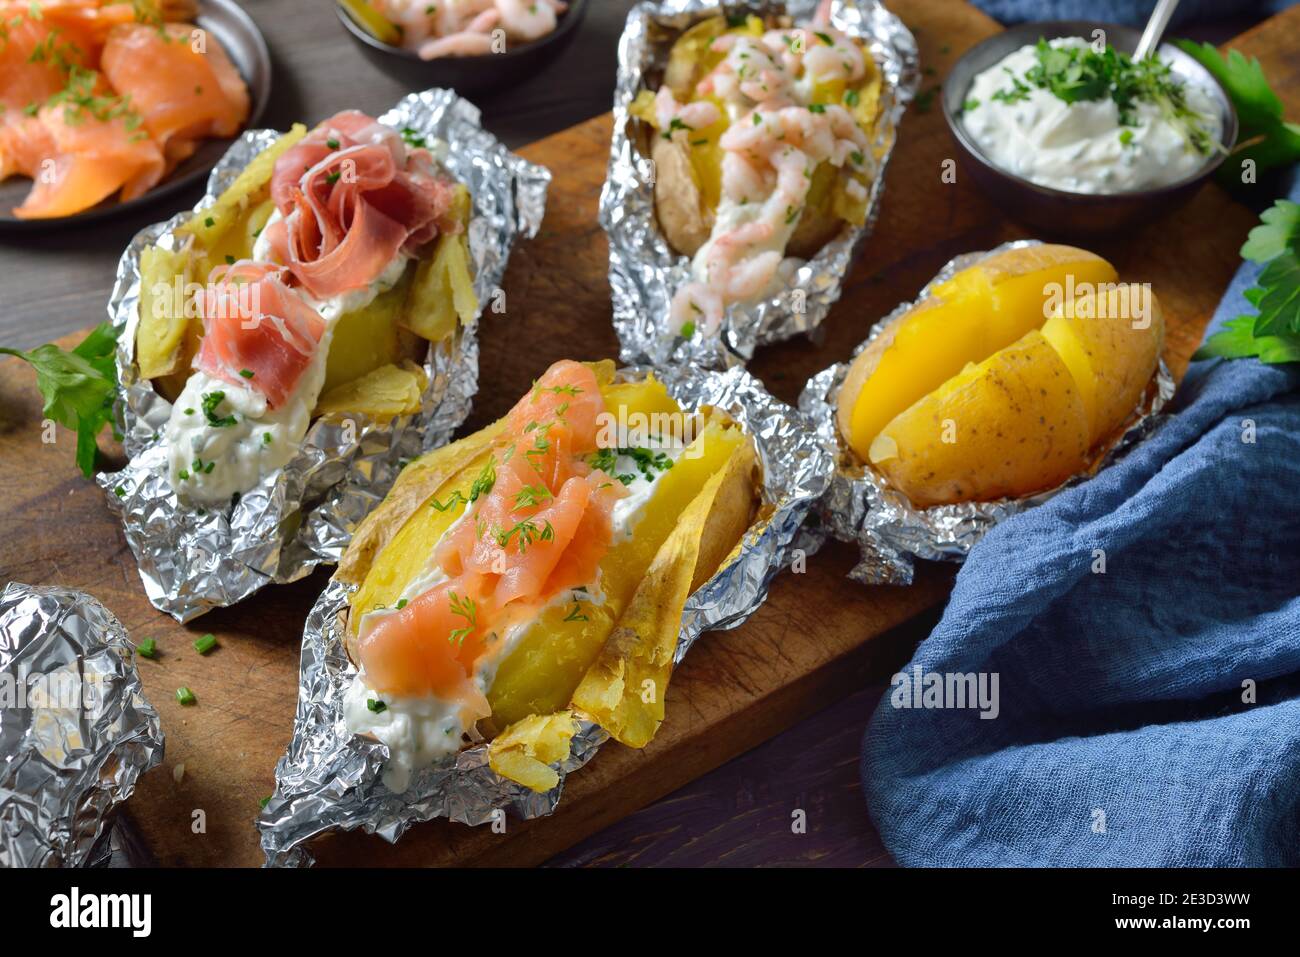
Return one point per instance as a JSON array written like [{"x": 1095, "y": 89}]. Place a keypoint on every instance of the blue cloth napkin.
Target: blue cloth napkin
[
  {"x": 1121, "y": 736},
  {"x": 1132, "y": 12}
]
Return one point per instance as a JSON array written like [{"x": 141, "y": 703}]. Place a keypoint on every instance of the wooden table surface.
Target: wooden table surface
[{"x": 737, "y": 814}]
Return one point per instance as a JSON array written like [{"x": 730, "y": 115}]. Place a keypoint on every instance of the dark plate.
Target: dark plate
[
  {"x": 472, "y": 74},
  {"x": 234, "y": 30},
  {"x": 1055, "y": 212}
]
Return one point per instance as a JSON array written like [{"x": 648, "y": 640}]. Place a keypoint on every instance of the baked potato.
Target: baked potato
[
  {"x": 761, "y": 137},
  {"x": 535, "y": 573},
  {"x": 1005, "y": 380},
  {"x": 305, "y": 288}
]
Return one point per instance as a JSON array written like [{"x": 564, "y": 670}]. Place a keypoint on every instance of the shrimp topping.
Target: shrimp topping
[{"x": 778, "y": 136}]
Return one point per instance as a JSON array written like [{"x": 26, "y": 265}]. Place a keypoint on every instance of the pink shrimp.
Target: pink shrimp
[
  {"x": 673, "y": 116},
  {"x": 839, "y": 60},
  {"x": 526, "y": 19},
  {"x": 742, "y": 181}
]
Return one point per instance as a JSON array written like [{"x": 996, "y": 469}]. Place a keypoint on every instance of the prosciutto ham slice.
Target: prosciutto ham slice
[
  {"x": 353, "y": 195},
  {"x": 258, "y": 332}
]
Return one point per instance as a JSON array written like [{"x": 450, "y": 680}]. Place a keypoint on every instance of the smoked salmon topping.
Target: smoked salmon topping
[
  {"x": 97, "y": 104},
  {"x": 88, "y": 146},
  {"x": 538, "y": 526},
  {"x": 257, "y": 332},
  {"x": 352, "y": 195},
  {"x": 185, "y": 91}
]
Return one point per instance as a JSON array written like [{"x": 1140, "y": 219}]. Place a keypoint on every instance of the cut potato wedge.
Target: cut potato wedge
[
  {"x": 1010, "y": 425},
  {"x": 1111, "y": 342},
  {"x": 383, "y": 393}
]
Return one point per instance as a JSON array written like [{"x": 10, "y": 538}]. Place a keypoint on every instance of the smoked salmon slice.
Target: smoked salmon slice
[
  {"x": 92, "y": 99},
  {"x": 179, "y": 80},
  {"x": 36, "y": 55},
  {"x": 541, "y": 529},
  {"x": 89, "y": 145},
  {"x": 352, "y": 195},
  {"x": 257, "y": 332}
]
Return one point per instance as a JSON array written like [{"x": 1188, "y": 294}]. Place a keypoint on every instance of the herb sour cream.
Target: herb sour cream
[
  {"x": 1089, "y": 144},
  {"x": 211, "y": 458},
  {"x": 422, "y": 729}
]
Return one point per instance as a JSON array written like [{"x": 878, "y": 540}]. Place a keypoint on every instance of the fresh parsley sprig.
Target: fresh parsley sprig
[
  {"x": 1273, "y": 333},
  {"x": 78, "y": 387},
  {"x": 1264, "y": 135}
]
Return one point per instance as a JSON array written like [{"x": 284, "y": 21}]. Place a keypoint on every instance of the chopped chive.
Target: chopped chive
[
  {"x": 688, "y": 329},
  {"x": 264, "y": 802},
  {"x": 185, "y": 695},
  {"x": 147, "y": 648},
  {"x": 401, "y": 603},
  {"x": 209, "y": 222},
  {"x": 205, "y": 644},
  {"x": 247, "y": 373},
  {"x": 230, "y": 260},
  {"x": 375, "y": 705}
]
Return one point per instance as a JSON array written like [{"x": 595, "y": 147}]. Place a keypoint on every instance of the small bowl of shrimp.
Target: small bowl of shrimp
[{"x": 471, "y": 46}]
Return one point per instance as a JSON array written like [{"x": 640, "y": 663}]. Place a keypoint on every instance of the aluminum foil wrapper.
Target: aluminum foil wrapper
[
  {"x": 644, "y": 271},
  {"x": 75, "y": 728},
  {"x": 330, "y": 779},
  {"x": 859, "y": 506},
  {"x": 193, "y": 559}
]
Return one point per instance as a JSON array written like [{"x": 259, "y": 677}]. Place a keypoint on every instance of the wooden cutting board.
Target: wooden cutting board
[{"x": 817, "y": 637}]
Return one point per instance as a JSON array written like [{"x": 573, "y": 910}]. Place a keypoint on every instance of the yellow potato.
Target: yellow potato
[
  {"x": 525, "y": 751},
  {"x": 624, "y": 689},
  {"x": 442, "y": 292},
  {"x": 382, "y": 393},
  {"x": 966, "y": 319},
  {"x": 370, "y": 338},
  {"x": 1111, "y": 342},
  {"x": 1008, "y": 426}
]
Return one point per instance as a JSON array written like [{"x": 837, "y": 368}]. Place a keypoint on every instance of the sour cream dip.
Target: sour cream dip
[{"x": 1056, "y": 131}]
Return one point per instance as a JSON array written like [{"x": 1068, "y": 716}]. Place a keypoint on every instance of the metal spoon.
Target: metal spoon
[{"x": 1155, "y": 27}]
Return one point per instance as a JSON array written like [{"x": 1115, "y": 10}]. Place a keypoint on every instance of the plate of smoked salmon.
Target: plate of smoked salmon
[{"x": 108, "y": 104}]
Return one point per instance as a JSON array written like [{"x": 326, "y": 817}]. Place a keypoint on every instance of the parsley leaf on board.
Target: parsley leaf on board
[
  {"x": 1273, "y": 334},
  {"x": 1264, "y": 135},
  {"x": 78, "y": 386}
]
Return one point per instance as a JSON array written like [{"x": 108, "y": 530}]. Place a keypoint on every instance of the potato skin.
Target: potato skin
[
  {"x": 1016, "y": 425},
  {"x": 685, "y": 223},
  {"x": 1111, "y": 358}
]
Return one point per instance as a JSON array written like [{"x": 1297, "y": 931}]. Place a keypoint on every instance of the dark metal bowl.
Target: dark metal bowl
[
  {"x": 472, "y": 74},
  {"x": 1056, "y": 212},
  {"x": 243, "y": 42}
]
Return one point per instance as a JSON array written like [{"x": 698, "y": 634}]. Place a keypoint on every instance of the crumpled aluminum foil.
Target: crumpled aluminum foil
[
  {"x": 75, "y": 728},
  {"x": 193, "y": 559},
  {"x": 859, "y": 506},
  {"x": 644, "y": 271},
  {"x": 330, "y": 779}
]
